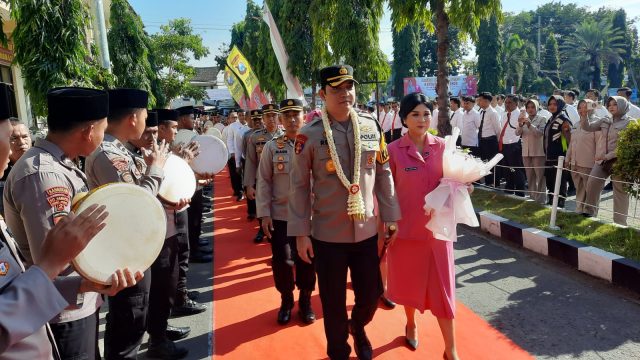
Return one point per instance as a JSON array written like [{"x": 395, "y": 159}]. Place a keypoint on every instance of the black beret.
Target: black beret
[
  {"x": 270, "y": 108},
  {"x": 256, "y": 113},
  {"x": 291, "y": 104},
  {"x": 128, "y": 99},
  {"x": 77, "y": 105},
  {"x": 5, "y": 101},
  {"x": 166, "y": 115},
  {"x": 185, "y": 110},
  {"x": 336, "y": 75},
  {"x": 152, "y": 119}
]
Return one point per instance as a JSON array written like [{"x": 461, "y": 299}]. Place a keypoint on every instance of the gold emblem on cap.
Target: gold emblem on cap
[
  {"x": 290, "y": 102},
  {"x": 343, "y": 71}
]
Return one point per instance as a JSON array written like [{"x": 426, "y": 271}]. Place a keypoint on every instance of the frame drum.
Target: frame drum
[
  {"x": 213, "y": 155},
  {"x": 215, "y": 132},
  {"x": 184, "y": 137},
  {"x": 133, "y": 235},
  {"x": 179, "y": 180}
]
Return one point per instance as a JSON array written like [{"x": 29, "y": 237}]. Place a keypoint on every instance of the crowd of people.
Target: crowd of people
[{"x": 334, "y": 191}]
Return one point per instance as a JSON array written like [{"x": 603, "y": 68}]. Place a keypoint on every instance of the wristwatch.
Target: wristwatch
[{"x": 392, "y": 228}]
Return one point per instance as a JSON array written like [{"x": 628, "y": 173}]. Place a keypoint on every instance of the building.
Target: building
[{"x": 208, "y": 78}]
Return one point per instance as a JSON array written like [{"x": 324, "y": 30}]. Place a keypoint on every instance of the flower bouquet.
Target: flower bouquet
[{"x": 450, "y": 203}]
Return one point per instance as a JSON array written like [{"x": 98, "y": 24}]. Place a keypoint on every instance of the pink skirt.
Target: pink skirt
[{"x": 421, "y": 275}]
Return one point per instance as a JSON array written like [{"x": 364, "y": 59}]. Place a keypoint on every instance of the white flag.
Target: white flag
[{"x": 294, "y": 90}]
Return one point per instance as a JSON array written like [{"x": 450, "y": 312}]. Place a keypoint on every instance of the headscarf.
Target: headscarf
[
  {"x": 623, "y": 106},
  {"x": 560, "y": 105}
]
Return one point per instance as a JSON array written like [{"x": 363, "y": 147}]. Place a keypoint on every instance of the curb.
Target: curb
[{"x": 588, "y": 259}]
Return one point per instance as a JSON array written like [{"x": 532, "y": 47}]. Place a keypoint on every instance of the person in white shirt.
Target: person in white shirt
[
  {"x": 470, "y": 125},
  {"x": 509, "y": 145},
  {"x": 488, "y": 132},
  {"x": 455, "y": 116},
  {"x": 391, "y": 124},
  {"x": 594, "y": 95},
  {"x": 236, "y": 179},
  {"x": 634, "y": 111},
  {"x": 381, "y": 112},
  {"x": 570, "y": 109}
]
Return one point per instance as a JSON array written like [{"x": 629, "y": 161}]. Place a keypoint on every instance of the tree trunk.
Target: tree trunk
[
  {"x": 313, "y": 94},
  {"x": 596, "y": 73},
  {"x": 442, "y": 83}
]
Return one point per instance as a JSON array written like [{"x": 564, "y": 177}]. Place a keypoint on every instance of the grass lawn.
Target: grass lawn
[{"x": 624, "y": 242}]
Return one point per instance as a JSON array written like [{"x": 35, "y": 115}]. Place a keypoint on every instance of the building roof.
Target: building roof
[{"x": 206, "y": 74}]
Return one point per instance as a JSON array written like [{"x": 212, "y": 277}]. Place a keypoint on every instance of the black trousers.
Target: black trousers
[
  {"x": 550, "y": 178},
  {"x": 515, "y": 176},
  {"x": 78, "y": 339},
  {"x": 392, "y": 135},
  {"x": 182, "y": 225},
  {"x": 164, "y": 279},
  {"x": 251, "y": 207},
  {"x": 236, "y": 179},
  {"x": 195, "y": 220},
  {"x": 127, "y": 320},
  {"x": 488, "y": 149},
  {"x": 283, "y": 247},
  {"x": 332, "y": 260}
]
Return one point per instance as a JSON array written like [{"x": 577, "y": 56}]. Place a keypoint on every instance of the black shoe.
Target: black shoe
[
  {"x": 259, "y": 238},
  {"x": 175, "y": 333},
  {"x": 251, "y": 217},
  {"x": 561, "y": 203},
  {"x": 193, "y": 295},
  {"x": 203, "y": 242},
  {"x": 189, "y": 307},
  {"x": 361, "y": 342},
  {"x": 205, "y": 249},
  {"x": 387, "y": 303},
  {"x": 240, "y": 197},
  {"x": 304, "y": 308},
  {"x": 166, "y": 349},
  {"x": 412, "y": 343},
  {"x": 199, "y": 257},
  {"x": 284, "y": 314}
]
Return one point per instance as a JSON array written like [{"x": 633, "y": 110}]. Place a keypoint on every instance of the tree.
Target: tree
[
  {"x": 129, "y": 51},
  {"x": 463, "y": 14},
  {"x": 592, "y": 43},
  {"x": 551, "y": 60},
  {"x": 50, "y": 46},
  {"x": 405, "y": 57},
  {"x": 458, "y": 50},
  {"x": 615, "y": 73},
  {"x": 518, "y": 56},
  {"x": 172, "y": 48},
  {"x": 489, "y": 50}
]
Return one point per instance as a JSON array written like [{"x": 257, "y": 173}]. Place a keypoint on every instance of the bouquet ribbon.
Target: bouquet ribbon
[{"x": 449, "y": 204}]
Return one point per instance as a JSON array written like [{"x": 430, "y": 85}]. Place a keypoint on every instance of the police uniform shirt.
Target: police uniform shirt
[
  {"x": 491, "y": 124},
  {"x": 272, "y": 191},
  {"x": 510, "y": 125},
  {"x": 112, "y": 162},
  {"x": 470, "y": 125},
  {"x": 255, "y": 146},
  {"x": 28, "y": 299},
  {"x": 38, "y": 193},
  {"x": 327, "y": 219},
  {"x": 245, "y": 140}
]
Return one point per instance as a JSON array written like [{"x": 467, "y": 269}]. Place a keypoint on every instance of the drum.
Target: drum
[
  {"x": 133, "y": 235},
  {"x": 179, "y": 180},
  {"x": 184, "y": 136},
  {"x": 213, "y": 155},
  {"x": 215, "y": 132}
]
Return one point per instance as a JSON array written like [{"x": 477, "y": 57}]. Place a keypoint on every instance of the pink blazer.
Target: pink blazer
[{"x": 415, "y": 175}]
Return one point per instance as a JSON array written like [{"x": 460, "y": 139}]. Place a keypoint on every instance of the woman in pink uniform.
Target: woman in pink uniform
[{"x": 421, "y": 272}]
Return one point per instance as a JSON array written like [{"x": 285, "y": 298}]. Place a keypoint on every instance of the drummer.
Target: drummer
[
  {"x": 254, "y": 149},
  {"x": 256, "y": 124},
  {"x": 111, "y": 162},
  {"x": 39, "y": 193},
  {"x": 272, "y": 196}
]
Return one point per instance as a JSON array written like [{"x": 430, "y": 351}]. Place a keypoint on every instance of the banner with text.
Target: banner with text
[
  {"x": 458, "y": 85},
  {"x": 244, "y": 74}
]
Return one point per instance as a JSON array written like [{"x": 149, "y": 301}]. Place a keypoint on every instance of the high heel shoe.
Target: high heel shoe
[{"x": 412, "y": 343}]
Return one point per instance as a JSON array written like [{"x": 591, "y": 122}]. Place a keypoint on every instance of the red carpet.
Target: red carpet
[{"x": 246, "y": 303}]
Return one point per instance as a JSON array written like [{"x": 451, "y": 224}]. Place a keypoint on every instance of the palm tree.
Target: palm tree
[
  {"x": 517, "y": 53},
  {"x": 592, "y": 44}
]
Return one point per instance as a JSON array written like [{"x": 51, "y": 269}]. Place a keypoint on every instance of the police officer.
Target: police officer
[
  {"x": 344, "y": 154},
  {"x": 272, "y": 194},
  {"x": 38, "y": 195},
  {"x": 256, "y": 124},
  {"x": 111, "y": 162},
  {"x": 255, "y": 145}
]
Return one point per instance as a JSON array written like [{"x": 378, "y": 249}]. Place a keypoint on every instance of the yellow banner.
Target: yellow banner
[
  {"x": 241, "y": 68},
  {"x": 234, "y": 85}
]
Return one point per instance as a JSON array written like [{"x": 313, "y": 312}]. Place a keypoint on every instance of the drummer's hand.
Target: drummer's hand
[
  {"x": 305, "y": 248},
  {"x": 157, "y": 155},
  {"x": 391, "y": 233},
  {"x": 251, "y": 193},
  {"x": 190, "y": 151},
  {"x": 267, "y": 226},
  {"x": 120, "y": 280},
  {"x": 205, "y": 176},
  {"x": 69, "y": 237},
  {"x": 181, "y": 204}
]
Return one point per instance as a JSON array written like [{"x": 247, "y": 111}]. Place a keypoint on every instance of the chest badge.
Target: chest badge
[
  {"x": 330, "y": 166},
  {"x": 280, "y": 166},
  {"x": 4, "y": 268}
]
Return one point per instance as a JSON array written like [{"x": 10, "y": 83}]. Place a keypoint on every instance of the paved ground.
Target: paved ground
[{"x": 548, "y": 309}]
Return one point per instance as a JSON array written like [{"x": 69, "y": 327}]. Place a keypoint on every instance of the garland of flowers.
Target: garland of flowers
[{"x": 355, "y": 202}]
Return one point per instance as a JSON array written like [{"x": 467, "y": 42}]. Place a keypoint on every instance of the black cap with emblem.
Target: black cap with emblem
[
  {"x": 166, "y": 115},
  {"x": 74, "y": 105},
  {"x": 127, "y": 99},
  {"x": 291, "y": 104},
  {"x": 185, "y": 110},
  {"x": 257, "y": 113},
  {"x": 336, "y": 75},
  {"x": 6, "y": 91},
  {"x": 270, "y": 108},
  {"x": 152, "y": 119}
]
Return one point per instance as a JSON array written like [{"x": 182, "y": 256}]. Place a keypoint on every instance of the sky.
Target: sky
[{"x": 212, "y": 19}]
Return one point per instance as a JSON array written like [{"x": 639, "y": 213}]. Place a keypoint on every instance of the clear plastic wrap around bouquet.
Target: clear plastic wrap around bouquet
[{"x": 450, "y": 203}]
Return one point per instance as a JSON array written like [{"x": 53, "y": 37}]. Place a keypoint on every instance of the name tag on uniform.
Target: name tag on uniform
[{"x": 410, "y": 168}]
